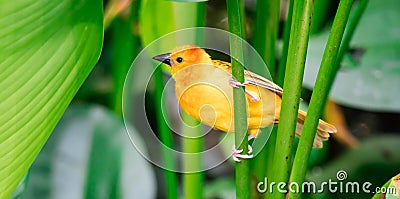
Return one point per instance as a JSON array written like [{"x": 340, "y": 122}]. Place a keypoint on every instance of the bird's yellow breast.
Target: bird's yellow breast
[{"x": 203, "y": 91}]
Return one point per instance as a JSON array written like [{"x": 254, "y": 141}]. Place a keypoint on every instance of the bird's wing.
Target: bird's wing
[
  {"x": 251, "y": 78},
  {"x": 258, "y": 80}
]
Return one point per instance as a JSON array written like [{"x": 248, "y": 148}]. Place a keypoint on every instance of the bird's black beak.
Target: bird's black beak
[{"x": 164, "y": 58}]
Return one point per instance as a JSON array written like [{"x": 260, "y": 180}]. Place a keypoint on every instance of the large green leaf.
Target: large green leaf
[
  {"x": 369, "y": 80},
  {"x": 89, "y": 155},
  {"x": 47, "y": 49}
]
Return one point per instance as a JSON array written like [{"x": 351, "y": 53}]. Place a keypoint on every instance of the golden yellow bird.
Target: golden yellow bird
[{"x": 203, "y": 88}]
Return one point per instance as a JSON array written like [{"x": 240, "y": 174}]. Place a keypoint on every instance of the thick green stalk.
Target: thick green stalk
[
  {"x": 242, "y": 18},
  {"x": 321, "y": 15},
  {"x": 103, "y": 177},
  {"x": 266, "y": 31},
  {"x": 279, "y": 80},
  {"x": 193, "y": 144},
  {"x": 193, "y": 182},
  {"x": 298, "y": 44},
  {"x": 351, "y": 27},
  {"x": 240, "y": 116},
  {"x": 284, "y": 53},
  {"x": 259, "y": 162},
  {"x": 166, "y": 137},
  {"x": 324, "y": 80},
  {"x": 124, "y": 47},
  {"x": 201, "y": 19},
  {"x": 270, "y": 152},
  {"x": 265, "y": 37}
]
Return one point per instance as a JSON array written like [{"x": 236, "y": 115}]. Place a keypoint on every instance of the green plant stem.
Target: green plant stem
[
  {"x": 201, "y": 19},
  {"x": 320, "y": 15},
  {"x": 298, "y": 44},
  {"x": 124, "y": 48},
  {"x": 266, "y": 31},
  {"x": 325, "y": 78},
  {"x": 193, "y": 182},
  {"x": 166, "y": 137},
  {"x": 271, "y": 144},
  {"x": 192, "y": 144},
  {"x": 351, "y": 27},
  {"x": 259, "y": 162},
  {"x": 242, "y": 18},
  {"x": 265, "y": 36},
  {"x": 240, "y": 116},
  {"x": 284, "y": 53},
  {"x": 103, "y": 173}
]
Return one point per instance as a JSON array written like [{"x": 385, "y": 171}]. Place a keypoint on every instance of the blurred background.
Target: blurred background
[{"x": 89, "y": 155}]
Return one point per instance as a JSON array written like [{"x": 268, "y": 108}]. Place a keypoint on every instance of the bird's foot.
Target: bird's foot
[
  {"x": 237, "y": 154},
  {"x": 235, "y": 84},
  {"x": 250, "y": 137},
  {"x": 253, "y": 98}
]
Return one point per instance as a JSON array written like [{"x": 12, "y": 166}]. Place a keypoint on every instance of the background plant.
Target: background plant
[{"x": 48, "y": 51}]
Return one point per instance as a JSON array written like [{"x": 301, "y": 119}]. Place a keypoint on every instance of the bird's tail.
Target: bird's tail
[{"x": 323, "y": 129}]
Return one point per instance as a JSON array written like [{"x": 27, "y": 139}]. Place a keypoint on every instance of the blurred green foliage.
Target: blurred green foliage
[
  {"x": 89, "y": 155},
  {"x": 48, "y": 48}
]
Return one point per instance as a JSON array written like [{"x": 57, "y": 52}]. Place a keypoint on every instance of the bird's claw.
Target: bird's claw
[
  {"x": 235, "y": 84},
  {"x": 237, "y": 154},
  {"x": 250, "y": 137},
  {"x": 253, "y": 98},
  {"x": 250, "y": 150}
]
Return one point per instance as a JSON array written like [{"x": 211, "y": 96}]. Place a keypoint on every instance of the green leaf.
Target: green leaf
[
  {"x": 90, "y": 147},
  {"x": 47, "y": 49},
  {"x": 369, "y": 80},
  {"x": 19, "y": 191}
]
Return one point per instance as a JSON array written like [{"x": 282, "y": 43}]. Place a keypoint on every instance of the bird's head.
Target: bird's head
[{"x": 184, "y": 56}]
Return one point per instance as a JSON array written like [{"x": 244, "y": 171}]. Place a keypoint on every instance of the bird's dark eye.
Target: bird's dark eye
[{"x": 179, "y": 59}]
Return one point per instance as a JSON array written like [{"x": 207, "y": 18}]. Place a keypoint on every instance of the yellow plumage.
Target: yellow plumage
[{"x": 203, "y": 91}]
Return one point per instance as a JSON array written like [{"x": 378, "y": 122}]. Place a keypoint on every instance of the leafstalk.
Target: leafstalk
[
  {"x": 324, "y": 80},
  {"x": 298, "y": 44},
  {"x": 239, "y": 99}
]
